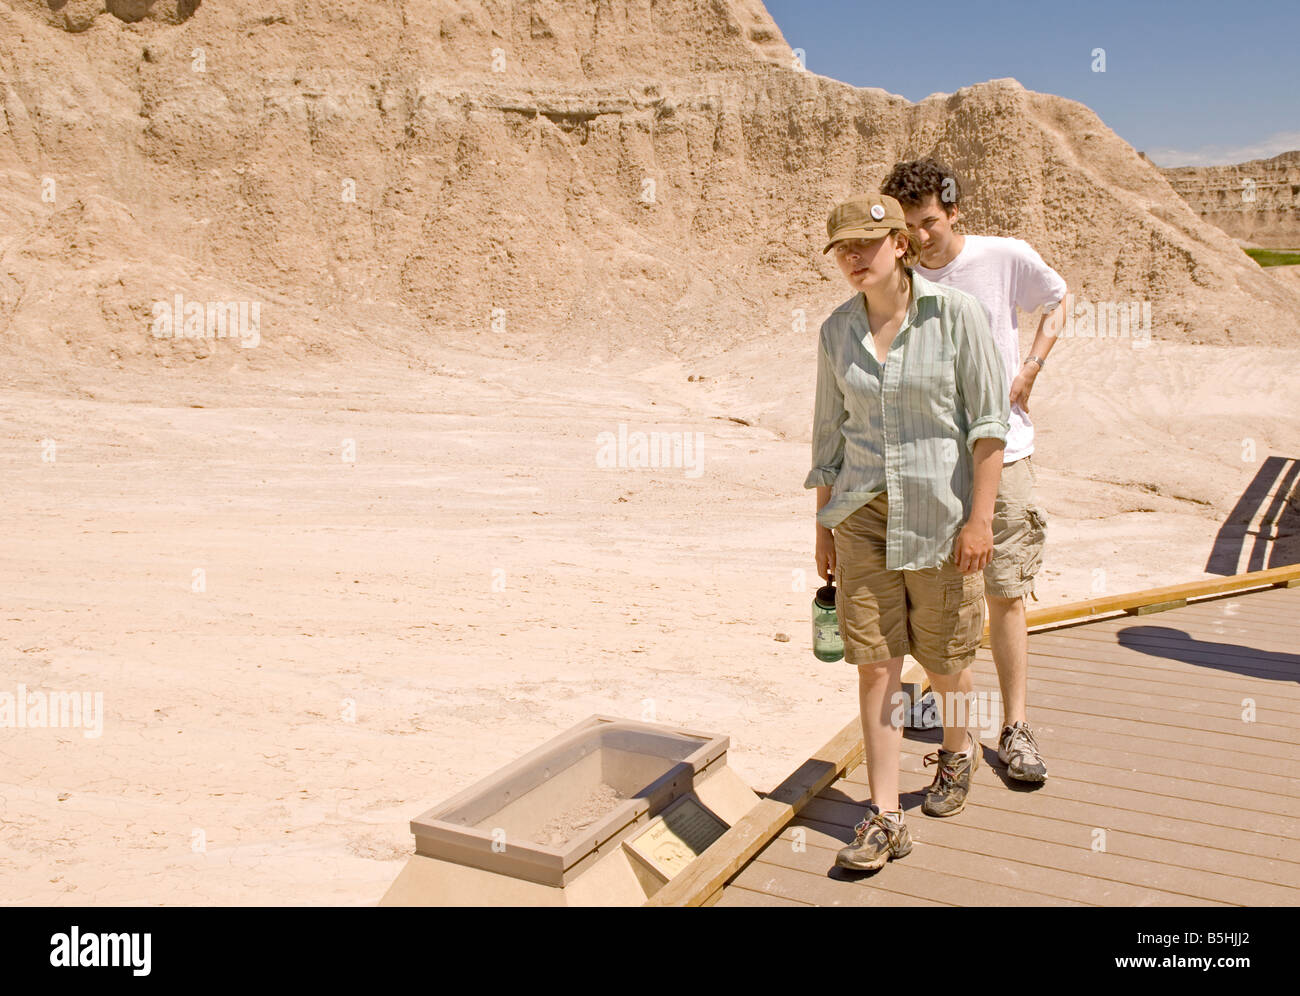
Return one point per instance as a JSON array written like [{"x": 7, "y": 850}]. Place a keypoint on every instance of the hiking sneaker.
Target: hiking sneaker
[
  {"x": 946, "y": 795},
  {"x": 878, "y": 840},
  {"x": 1018, "y": 750}
]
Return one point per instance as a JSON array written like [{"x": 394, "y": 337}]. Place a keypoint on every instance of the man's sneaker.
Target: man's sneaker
[
  {"x": 1018, "y": 750},
  {"x": 946, "y": 795},
  {"x": 878, "y": 839}
]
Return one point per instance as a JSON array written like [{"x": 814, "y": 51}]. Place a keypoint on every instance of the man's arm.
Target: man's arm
[
  {"x": 1037, "y": 286},
  {"x": 1049, "y": 326}
]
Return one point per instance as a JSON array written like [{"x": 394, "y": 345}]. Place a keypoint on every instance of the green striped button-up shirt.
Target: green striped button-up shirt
[{"x": 908, "y": 427}]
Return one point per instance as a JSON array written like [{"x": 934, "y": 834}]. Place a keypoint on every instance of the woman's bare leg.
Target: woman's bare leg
[{"x": 879, "y": 687}]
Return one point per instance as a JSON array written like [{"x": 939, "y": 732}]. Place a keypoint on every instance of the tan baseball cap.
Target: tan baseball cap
[{"x": 865, "y": 216}]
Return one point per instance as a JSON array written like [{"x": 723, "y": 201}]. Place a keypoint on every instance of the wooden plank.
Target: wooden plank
[
  {"x": 1153, "y": 784},
  {"x": 1264, "y": 618},
  {"x": 736, "y": 895},
  {"x": 1176, "y": 709},
  {"x": 1263, "y": 600},
  {"x": 1275, "y": 596},
  {"x": 1235, "y": 607},
  {"x": 1256, "y": 602},
  {"x": 975, "y": 877},
  {"x": 1067, "y": 745},
  {"x": 933, "y": 873},
  {"x": 1110, "y": 798},
  {"x": 1245, "y": 868},
  {"x": 1258, "y": 626},
  {"x": 1078, "y": 870},
  {"x": 1257, "y": 738},
  {"x": 1228, "y": 604},
  {"x": 1086, "y": 657},
  {"x": 1085, "y": 720},
  {"x": 1188, "y": 806},
  {"x": 1203, "y": 615},
  {"x": 729, "y": 853},
  {"x": 1079, "y": 613},
  {"x": 1210, "y": 764},
  {"x": 1214, "y": 646},
  {"x": 1170, "y": 742},
  {"x": 1193, "y": 677},
  {"x": 1212, "y": 685},
  {"x": 1156, "y": 828},
  {"x": 1270, "y": 792},
  {"x": 1071, "y": 693},
  {"x": 1052, "y": 675},
  {"x": 1152, "y": 596},
  {"x": 1113, "y": 797},
  {"x": 1161, "y": 680},
  {"x": 1164, "y": 879},
  {"x": 1285, "y": 595},
  {"x": 1223, "y": 704},
  {"x": 1251, "y": 663},
  {"x": 820, "y": 886},
  {"x": 1144, "y": 610},
  {"x": 1246, "y": 688},
  {"x": 1220, "y": 608}
]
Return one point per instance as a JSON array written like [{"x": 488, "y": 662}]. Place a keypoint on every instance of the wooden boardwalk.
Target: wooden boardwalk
[{"x": 1163, "y": 787}]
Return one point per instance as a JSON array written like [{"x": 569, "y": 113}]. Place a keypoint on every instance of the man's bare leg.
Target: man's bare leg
[
  {"x": 956, "y": 715},
  {"x": 1009, "y": 641},
  {"x": 960, "y": 753}
]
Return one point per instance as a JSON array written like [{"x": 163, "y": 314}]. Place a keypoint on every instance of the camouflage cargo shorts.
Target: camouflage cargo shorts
[{"x": 1019, "y": 533}]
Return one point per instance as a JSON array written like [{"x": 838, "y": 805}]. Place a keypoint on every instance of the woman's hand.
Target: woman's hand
[
  {"x": 974, "y": 547},
  {"x": 826, "y": 551}
]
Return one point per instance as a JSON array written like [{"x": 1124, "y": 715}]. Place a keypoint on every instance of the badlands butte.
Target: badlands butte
[
  {"x": 329, "y": 577},
  {"x": 1257, "y": 202}
]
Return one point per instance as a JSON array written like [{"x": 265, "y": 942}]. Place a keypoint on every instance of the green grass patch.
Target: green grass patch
[{"x": 1274, "y": 257}]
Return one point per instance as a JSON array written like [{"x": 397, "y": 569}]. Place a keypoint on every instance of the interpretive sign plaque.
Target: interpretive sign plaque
[{"x": 673, "y": 838}]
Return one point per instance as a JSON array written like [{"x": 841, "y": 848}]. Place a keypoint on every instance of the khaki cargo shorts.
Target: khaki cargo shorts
[
  {"x": 936, "y": 615},
  {"x": 1019, "y": 532}
]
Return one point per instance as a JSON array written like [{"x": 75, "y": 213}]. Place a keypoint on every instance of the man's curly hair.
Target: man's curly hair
[{"x": 910, "y": 183}]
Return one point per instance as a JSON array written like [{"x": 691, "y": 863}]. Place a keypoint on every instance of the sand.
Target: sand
[
  {"x": 474, "y": 583},
  {"x": 596, "y": 804}
]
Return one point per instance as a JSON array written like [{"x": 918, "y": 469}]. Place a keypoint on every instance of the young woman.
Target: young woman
[{"x": 910, "y": 420}]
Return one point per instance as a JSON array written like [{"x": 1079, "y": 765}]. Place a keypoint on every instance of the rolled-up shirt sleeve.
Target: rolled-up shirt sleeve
[
  {"x": 982, "y": 390},
  {"x": 829, "y": 415}
]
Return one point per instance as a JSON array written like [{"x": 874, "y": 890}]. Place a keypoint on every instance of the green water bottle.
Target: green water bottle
[{"x": 827, "y": 644}]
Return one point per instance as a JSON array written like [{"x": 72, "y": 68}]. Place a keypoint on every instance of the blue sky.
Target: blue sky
[{"x": 1190, "y": 83}]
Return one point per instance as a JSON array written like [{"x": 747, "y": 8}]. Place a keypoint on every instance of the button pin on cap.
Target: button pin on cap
[{"x": 878, "y": 211}]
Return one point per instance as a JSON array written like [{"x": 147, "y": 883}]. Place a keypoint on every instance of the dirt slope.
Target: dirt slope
[{"x": 636, "y": 175}]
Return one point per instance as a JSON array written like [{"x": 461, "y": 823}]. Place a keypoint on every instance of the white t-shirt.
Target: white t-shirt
[{"x": 1004, "y": 274}]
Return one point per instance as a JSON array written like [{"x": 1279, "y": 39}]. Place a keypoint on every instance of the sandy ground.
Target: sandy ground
[{"x": 375, "y": 635}]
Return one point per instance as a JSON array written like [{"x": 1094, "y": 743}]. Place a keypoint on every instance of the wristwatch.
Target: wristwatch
[{"x": 1036, "y": 360}]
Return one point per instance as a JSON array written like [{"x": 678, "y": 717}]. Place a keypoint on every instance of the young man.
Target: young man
[{"x": 1002, "y": 274}]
